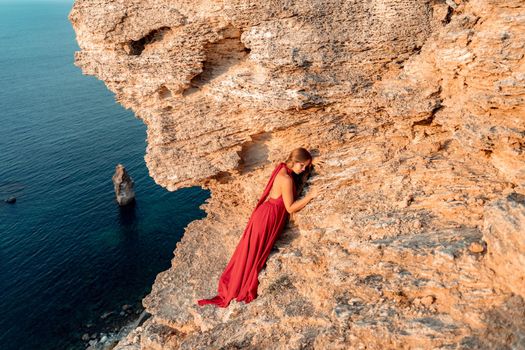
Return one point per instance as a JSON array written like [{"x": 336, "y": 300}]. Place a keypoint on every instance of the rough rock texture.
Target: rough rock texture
[
  {"x": 505, "y": 237},
  {"x": 123, "y": 185},
  {"x": 415, "y": 113}
]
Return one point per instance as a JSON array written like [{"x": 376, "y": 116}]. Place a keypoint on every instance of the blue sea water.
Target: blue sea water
[{"x": 68, "y": 253}]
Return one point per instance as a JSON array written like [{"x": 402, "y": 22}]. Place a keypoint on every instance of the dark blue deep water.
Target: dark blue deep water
[{"x": 68, "y": 254}]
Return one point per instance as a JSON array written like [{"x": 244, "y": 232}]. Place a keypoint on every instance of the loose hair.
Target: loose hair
[{"x": 300, "y": 155}]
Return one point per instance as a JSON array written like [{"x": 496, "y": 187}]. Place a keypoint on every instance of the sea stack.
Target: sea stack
[{"x": 123, "y": 184}]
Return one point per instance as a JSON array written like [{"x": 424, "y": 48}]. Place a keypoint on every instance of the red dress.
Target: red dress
[{"x": 240, "y": 278}]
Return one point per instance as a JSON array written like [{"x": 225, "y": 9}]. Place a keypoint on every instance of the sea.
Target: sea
[{"x": 73, "y": 263}]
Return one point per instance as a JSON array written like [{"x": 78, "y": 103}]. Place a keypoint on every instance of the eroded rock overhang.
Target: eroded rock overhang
[{"x": 209, "y": 78}]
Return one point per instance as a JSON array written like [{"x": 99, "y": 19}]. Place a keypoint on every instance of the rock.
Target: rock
[
  {"x": 126, "y": 307},
  {"x": 123, "y": 185},
  {"x": 107, "y": 314},
  {"x": 393, "y": 98},
  {"x": 103, "y": 339},
  {"x": 451, "y": 3},
  {"x": 85, "y": 337},
  {"x": 10, "y": 200},
  {"x": 504, "y": 232},
  {"x": 476, "y": 247},
  {"x": 428, "y": 300}
]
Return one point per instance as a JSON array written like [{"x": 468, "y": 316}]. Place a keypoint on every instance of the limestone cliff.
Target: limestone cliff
[{"x": 414, "y": 111}]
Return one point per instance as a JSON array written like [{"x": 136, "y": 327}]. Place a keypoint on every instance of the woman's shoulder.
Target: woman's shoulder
[{"x": 283, "y": 176}]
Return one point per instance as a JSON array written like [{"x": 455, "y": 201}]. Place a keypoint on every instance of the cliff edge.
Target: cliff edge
[{"x": 414, "y": 111}]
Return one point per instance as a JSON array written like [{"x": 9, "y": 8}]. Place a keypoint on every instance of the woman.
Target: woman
[{"x": 240, "y": 278}]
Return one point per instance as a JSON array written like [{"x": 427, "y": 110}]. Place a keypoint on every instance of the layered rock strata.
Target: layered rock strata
[{"x": 414, "y": 111}]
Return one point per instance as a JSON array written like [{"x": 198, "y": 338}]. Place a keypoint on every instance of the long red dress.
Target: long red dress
[{"x": 240, "y": 278}]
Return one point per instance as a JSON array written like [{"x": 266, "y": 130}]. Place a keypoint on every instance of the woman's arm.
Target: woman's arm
[{"x": 287, "y": 192}]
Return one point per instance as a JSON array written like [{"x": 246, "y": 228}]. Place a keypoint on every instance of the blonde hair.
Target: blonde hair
[{"x": 298, "y": 155}]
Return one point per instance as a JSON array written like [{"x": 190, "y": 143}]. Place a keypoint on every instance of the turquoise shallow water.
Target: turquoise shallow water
[{"x": 68, "y": 253}]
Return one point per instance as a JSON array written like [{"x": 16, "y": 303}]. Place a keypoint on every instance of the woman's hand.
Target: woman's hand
[
  {"x": 318, "y": 164},
  {"x": 312, "y": 193},
  {"x": 316, "y": 190}
]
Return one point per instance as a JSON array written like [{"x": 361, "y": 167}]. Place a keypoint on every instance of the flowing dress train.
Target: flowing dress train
[{"x": 240, "y": 277}]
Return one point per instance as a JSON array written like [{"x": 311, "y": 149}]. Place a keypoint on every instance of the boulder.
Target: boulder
[{"x": 123, "y": 185}]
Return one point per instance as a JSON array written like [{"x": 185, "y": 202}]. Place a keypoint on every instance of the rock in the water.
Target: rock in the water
[
  {"x": 123, "y": 186},
  {"x": 10, "y": 200}
]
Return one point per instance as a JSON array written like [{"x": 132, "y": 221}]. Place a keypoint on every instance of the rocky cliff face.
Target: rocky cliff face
[{"x": 414, "y": 111}]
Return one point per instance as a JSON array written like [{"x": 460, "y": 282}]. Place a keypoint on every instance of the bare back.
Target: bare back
[{"x": 278, "y": 184}]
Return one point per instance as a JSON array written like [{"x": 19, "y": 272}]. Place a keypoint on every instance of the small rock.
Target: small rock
[
  {"x": 400, "y": 298},
  {"x": 476, "y": 247},
  {"x": 93, "y": 342},
  {"x": 416, "y": 224},
  {"x": 428, "y": 300},
  {"x": 85, "y": 337},
  {"x": 126, "y": 306},
  {"x": 122, "y": 313},
  {"x": 106, "y": 314},
  {"x": 355, "y": 301},
  {"x": 405, "y": 202},
  {"x": 103, "y": 339},
  {"x": 452, "y": 4},
  {"x": 10, "y": 200},
  {"x": 93, "y": 336},
  {"x": 425, "y": 301}
]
